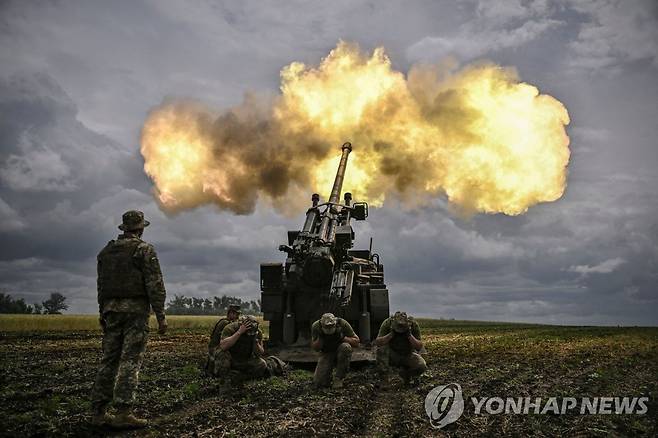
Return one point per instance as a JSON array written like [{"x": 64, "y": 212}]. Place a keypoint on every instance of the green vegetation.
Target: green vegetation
[
  {"x": 9, "y": 304},
  {"x": 54, "y": 305},
  {"x": 75, "y": 323},
  {"x": 182, "y": 305},
  {"x": 47, "y": 374}
]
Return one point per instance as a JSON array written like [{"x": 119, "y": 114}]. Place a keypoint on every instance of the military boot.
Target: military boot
[
  {"x": 125, "y": 419},
  {"x": 276, "y": 366},
  {"x": 101, "y": 417}
]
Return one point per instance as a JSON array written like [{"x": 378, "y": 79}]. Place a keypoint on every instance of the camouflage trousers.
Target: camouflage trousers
[
  {"x": 409, "y": 365},
  {"x": 211, "y": 368},
  {"x": 124, "y": 343},
  {"x": 339, "y": 359},
  {"x": 223, "y": 363}
]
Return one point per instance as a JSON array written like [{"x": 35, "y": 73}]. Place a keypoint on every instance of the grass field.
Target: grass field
[
  {"x": 74, "y": 323},
  {"x": 47, "y": 365}
]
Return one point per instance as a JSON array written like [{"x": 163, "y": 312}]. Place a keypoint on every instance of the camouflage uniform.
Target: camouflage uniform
[
  {"x": 333, "y": 353},
  {"x": 399, "y": 352},
  {"x": 213, "y": 346},
  {"x": 129, "y": 285},
  {"x": 243, "y": 356}
]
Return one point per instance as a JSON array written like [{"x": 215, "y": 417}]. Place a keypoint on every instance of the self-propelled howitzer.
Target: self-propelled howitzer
[{"x": 322, "y": 273}]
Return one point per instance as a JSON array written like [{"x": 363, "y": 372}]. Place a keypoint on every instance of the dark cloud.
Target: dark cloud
[{"x": 77, "y": 81}]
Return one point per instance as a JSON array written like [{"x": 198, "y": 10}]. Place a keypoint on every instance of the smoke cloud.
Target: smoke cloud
[{"x": 476, "y": 134}]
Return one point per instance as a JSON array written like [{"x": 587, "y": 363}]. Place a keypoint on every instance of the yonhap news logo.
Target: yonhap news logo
[{"x": 444, "y": 404}]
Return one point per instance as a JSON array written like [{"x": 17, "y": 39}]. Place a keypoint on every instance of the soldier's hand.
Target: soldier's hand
[
  {"x": 244, "y": 328},
  {"x": 162, "y": 326},
  {"x": 103, "y": 323}
]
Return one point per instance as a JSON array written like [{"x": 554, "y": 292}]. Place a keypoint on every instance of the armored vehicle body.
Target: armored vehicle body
[{"x": 322, "y": 273}]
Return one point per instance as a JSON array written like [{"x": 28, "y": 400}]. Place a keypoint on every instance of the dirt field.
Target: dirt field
[{"x": 45, "y": 381}]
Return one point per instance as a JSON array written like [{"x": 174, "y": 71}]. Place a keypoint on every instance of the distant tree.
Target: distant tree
[
  {"x": 216, "y": 304},
  {"x": 10, "y": 305},
  {"x": 197, "y": 304},
  {"x": 177, "y": 305},
  {"x": 38, "y": 308},
  {"x": 207, "y": 306},
  {"x": 182, "y": 305},
  {"x": 55, "y": 304}
]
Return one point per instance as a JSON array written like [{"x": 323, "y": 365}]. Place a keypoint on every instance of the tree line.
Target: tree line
[
  {"x": 52, "y": 306},
  {"x": 182, "y": 305},
  {"x": 179, "y": 305}
]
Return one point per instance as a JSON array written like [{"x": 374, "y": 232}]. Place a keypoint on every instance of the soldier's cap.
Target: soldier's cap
[
  {"x": 328, "y": 320},
  {"x": 401, "y": 322},
  {"x": 234, "y": 308},
  {"x": 251, "y": 321},
  {"x": 133, "y": 220}
]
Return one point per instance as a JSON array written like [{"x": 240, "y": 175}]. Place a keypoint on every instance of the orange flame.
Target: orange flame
[{"x": 489, "y": 142}]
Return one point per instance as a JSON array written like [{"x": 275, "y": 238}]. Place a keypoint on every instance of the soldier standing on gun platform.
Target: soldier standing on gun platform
[
  {"x": 398, "y": 343},
  {"x": 232, "y": 315},
  {"x": 129, "y": 283},
  {"x": 334, "y": 338}
]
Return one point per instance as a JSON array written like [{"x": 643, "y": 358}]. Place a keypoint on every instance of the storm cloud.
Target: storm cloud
[{"x": 77, "y": 80}]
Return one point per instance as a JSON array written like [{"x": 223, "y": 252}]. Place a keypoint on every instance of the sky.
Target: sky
[{"x": 78, "y": 79}]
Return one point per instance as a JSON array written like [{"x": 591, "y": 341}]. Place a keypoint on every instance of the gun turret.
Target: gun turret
[
  {"x": 322, "y": 272},
  {"x": 327, "y": 234}
]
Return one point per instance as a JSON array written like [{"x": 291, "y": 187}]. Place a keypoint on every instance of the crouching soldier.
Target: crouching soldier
[
  {"x": 334, "y": 338},
  {"x": 242, "y": 350},
  {"x": 398, "y": 343},
  {"x": 232, "y": 315}
]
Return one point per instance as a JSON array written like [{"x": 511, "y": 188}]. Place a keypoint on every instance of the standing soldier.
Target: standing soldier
[
  {"x": 398, "y": 343},
  {"x": 334, "y": 338},
  {"x": 232, "y": 315},
  {"x": 129, "y": 283}
]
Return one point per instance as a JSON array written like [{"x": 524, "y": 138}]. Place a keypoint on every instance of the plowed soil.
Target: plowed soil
[{"x": 46, "y": 379}]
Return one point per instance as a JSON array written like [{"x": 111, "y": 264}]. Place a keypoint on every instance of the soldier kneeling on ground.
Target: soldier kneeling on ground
[
  {"x": 334, "y": 338},
  {"x": 398, "y": 343},
  {"x": 242, "y": 349},
  {"x": 232, "y": 315}
]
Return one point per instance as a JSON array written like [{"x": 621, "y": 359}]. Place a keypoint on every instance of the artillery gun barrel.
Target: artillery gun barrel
[
  {"x": 340, "y": 174},
  {"x": 311, "y": 215},
  {"x": 326, "y": 225}
]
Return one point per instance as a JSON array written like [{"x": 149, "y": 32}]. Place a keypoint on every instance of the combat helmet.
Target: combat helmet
[
  {"x": 401, "y": 322},
  {"x": 251, "y": 322},
  {"x": 328, "y": 323}
]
